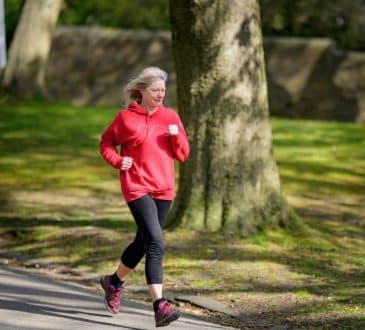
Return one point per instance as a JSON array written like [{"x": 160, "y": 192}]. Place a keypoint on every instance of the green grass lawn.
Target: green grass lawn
[{"x": 60, "y": 202}]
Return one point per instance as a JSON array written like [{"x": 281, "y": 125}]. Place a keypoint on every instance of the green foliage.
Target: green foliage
[
  {"x": 342, "y": 20},
  {"x": 137, "y": 14},
  {"x": 12, "y": 12}
]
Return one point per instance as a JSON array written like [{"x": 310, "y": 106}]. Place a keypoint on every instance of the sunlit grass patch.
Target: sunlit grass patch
[{"x": 327, "y": 156}]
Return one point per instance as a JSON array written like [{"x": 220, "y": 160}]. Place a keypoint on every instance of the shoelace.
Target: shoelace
[{"x": 115, "y": 293}]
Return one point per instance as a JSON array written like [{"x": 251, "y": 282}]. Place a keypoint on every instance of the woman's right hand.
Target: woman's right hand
[{"x": 126, "y": 163}]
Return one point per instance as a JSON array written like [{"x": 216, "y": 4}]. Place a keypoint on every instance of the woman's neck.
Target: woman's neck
[{"x": 149, "y": 109}]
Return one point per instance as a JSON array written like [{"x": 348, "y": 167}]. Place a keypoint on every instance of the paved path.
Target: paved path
[{"x": 30, "y": 301}]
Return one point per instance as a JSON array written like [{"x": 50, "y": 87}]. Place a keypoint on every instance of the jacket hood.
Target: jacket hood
[{"x": 134, "y": 106}]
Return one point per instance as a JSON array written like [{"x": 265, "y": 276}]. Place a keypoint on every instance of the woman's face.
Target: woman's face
[{"x": 153, "y": 95}]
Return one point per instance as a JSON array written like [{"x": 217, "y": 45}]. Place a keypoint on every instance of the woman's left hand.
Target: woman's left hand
[{"x": 173, "y": 129}]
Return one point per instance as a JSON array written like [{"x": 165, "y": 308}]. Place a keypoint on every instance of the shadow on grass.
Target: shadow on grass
[
  {"x": 301, "y": 315},
  {"x": 322, "y": 184},
  {"x": 327, "y": 267},
  {"x": 318, "y": 168},
  {"x": 79, "y": 242},
  {"x": 311, "y": 134},
  {"x": 21, "y": 223}
]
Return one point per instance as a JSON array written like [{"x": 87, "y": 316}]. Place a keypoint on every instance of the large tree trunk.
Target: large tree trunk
[
  {"x": 25, "y": 72},
  {"x": 230, "y": 181}
]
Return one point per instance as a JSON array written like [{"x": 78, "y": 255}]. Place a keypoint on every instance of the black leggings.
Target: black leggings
[{"x": 149, "y": 215}]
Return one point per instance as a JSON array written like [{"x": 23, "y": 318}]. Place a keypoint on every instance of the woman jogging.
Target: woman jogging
[{"x": 150, "y": 137}]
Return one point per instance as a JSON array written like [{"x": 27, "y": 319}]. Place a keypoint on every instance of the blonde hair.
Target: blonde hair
[{"x": 142, "y": 81}]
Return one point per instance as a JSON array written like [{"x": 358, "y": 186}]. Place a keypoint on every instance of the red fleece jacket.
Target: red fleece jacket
[{"x": 145, "y": 138}]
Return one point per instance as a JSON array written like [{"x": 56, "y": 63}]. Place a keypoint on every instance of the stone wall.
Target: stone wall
[{"x": 308, "y": 78}]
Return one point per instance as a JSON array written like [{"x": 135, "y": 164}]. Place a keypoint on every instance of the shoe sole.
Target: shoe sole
[
  {"x": 108, "y": 308},
  {"x": 170, "y": 318},
  {"x": 105, "y": 301}
]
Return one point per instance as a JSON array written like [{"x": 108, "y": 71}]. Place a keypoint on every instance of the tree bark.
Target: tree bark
[
  {"x": 230, "y": 181},
  {"x": 2, "y": 37},
  {"x": 25, "y": 71}
]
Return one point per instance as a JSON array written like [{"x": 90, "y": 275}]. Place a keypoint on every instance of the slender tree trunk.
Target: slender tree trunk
[
  {"x": 360, "y": 119},
  {"x": 2, "y": 37},
  {"x": 230, "y": 181},
  {"x": 25, "y": 72}
]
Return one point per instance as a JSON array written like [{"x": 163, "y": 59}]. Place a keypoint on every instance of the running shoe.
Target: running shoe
[
  {"x": 112, "y": 295},
  {"x": 165, "y": 314}
]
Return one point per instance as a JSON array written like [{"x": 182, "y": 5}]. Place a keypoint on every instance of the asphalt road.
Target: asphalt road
[{"x": 31, "y": 301}]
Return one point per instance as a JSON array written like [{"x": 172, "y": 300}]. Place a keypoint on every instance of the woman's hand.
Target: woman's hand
[
  {"x": 173, "y": 129},
  {"x": 126, "y": 163}
]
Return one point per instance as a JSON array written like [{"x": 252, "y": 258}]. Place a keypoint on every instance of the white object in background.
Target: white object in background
[{"x": 2, "y": 36}]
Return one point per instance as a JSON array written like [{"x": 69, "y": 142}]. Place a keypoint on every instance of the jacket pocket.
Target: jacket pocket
[{"x": 131, "y": 179}]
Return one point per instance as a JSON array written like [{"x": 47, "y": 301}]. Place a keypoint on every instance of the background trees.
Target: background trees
[
  {"x": 342, "y": 20},
  {"x": 28, "y": 54},
  {"x": 145, "y": 14}
]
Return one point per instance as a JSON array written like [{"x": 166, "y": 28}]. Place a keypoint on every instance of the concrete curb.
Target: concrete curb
[{"x": 207, "y": 303}]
